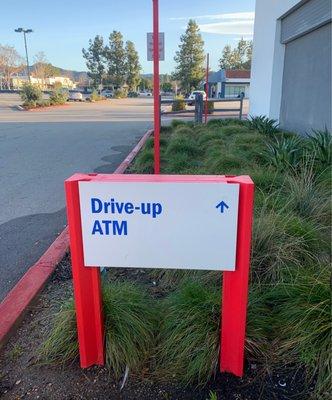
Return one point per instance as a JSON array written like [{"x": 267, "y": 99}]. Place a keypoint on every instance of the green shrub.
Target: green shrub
[
  {"x": 178, "y": 163},
  {"x": 177, "y": 122},
  {"x": 130, "y": 324},
  {"x": 31, "y": 94},
  {"x": 46, "y": 103},
  {"x": 266, "y": 179},
  {"x": 263, "y": 125},
  {"x": 178, "y": 104},
  {"x": 210, "y": 107},
  {"x": 144, "y": 162},
  {"x": 284, "y": 153},
  {"x": 230, "y": 130},
  {"x": 58, "y": 97},
  {"x": 226, "y": 122},
  {"x": 182, "y": 144},
  {"x": 224, "y": 163},
  {"x": 206, "y": 138},
  {"x": 29, "y": 104},
  {"x": 120, "y": 93},
  {"x": 95, "y": 96},
  {"x": 133, "y": 94},
  {"x": 321, "y": 145}
]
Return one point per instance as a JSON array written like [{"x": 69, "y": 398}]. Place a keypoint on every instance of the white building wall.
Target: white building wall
[{"x": 268, "y": 57}]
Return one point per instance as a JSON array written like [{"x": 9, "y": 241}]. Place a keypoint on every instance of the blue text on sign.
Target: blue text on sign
[
  {"x": 115, "y": 227},
  {"x": 114, "y": 207}
]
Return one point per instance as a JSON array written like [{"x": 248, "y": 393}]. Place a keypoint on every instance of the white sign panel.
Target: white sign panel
[
  {"x": 161, "y": 46},
  {"x": 185, "y": 225}
]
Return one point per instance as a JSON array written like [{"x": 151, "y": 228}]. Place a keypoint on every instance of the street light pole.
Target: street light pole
[{"x": 25, "y": 31}]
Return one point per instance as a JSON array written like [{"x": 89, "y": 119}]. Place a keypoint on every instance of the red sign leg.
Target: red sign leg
[
  {"x": 235, "y": 288},
  {"x": 87, "y": 288}
]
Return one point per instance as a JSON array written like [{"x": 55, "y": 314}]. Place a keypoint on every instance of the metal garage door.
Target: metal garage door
[{"x": 306, "y": 91}]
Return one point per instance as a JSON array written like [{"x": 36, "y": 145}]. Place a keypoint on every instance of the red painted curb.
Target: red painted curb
[
  {"x": 13, "y": 307},
  {"x": 128, "y": 160},
  {"x": 37, "y": 109},
  {"x": 17, "y": 301}
]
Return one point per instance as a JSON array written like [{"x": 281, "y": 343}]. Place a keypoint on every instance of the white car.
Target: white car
[
  {"x": 193, "y": 96},
  {"x": 75, "y": 96},
  {"x": 145, "y": 94},
  {"x": 107, "y": 93}
]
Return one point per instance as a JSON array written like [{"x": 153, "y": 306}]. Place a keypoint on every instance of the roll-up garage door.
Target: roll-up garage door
[{"x": 306, "y": 90}]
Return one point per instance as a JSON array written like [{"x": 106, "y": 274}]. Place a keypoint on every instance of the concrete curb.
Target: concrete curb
[{"x": 16, "y": 303}]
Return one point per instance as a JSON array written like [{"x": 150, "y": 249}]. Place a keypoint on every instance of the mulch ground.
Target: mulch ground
[{"x": 21, "y": 377}]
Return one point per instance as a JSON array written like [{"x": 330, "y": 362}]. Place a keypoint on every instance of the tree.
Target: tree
[
  {"x": 133, "y": 66},
  {"x": 42, "y": 69},
  {"x": 226, "y": 61},
  {"x": 116, "y": 59},
  {"x": 145, "y": 84},
  {"x": 95, "y": 59},
  {"x": 10, "y": 63},
  {"x": 238, "y": 58},
  {"x": 190, "y": 58},
  {"x": 167, "y": 87}
]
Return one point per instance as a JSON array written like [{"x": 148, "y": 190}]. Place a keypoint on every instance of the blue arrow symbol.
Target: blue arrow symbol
[{"x": 222, "y": 206}]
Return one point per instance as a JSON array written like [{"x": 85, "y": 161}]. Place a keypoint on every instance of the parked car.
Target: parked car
[
  {"x": 133, "y": 94},
  {"x": 107, "y": 93},
  {"x": 145, "y": 94},
  {"x": 75, "y": 96},
  {"x": 192, "y": 96}
]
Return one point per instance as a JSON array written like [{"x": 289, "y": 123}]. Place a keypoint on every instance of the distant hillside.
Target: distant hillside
[{"x": 77, "y": 76}]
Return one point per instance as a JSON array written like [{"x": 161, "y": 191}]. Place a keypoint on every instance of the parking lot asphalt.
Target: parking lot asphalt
[{"x": 39, "y": 150}]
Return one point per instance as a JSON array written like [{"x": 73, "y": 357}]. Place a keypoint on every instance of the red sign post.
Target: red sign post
[
  {"x": 156, "y": 85},
  {"x": 207, "y": 88},
  {"x": 86, "y": 279}
]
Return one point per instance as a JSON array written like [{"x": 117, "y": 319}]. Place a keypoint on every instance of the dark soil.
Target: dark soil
[{"x": 21, "y": 377}]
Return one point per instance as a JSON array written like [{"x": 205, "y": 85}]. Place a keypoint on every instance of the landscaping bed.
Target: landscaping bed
[
  {"x": 24, "y": 376},
  {"x": 162, "y": 326}
]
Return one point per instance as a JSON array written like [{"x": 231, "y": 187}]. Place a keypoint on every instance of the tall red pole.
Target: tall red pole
[
  {"x": 207, "y": 87},
  {"x": 156, "y": 86}
]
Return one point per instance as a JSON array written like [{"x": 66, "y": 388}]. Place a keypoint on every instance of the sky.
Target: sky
[{"x": 63, "y": 27}]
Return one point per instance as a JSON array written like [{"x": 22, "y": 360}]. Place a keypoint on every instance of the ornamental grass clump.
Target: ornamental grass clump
[
  {"x": 144, "y": 163},
  {"x": 282, "y": 242},
  {"x": 130, "y": 326},
  {"x": 130, "y": 329},
  {"x": 189, "y": 337},
  {"x": 302, "y": 322},
  {"x": 61, "y": 345}
]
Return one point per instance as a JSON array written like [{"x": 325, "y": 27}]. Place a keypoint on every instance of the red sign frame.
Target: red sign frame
[{"x": 87, "y": 286}]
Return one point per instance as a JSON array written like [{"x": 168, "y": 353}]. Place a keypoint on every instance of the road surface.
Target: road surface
[{"x": 38, "y": 151}]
